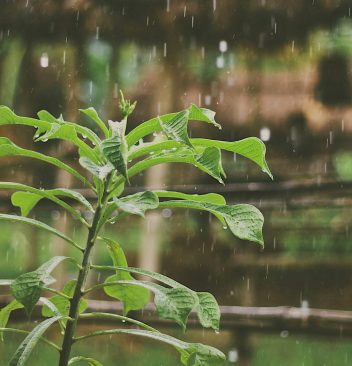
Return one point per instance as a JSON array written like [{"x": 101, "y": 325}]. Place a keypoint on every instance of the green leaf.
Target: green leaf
[
  {"x": 62, "y": 304},
  {"x": 133, "y": 298},
  {"x": 210, "y": 162},
  {"x": 88, "y": 360},
  {"x": 25, "y": 201},
  {"x": 71, "y": 194},
  {"x": 92, "y": 113},
  {"x": 205, "y": 304},
  {"x": 39, "y": 225},
  {"x": 245, "y": 221},
  {"x": 98, "y": 171},
  {"x": 208, "y": 310},
  {"x": 46, "y": 116},
  {"x": 27, "y": 288},
  {"x": 8, "y": 148},
  {"x": 26, "y": 347},
  {"x": 5, "y": 314},
  {"x": 251, "y": 148},
  {"x": 208, "y": 197},
  {"x": 176, "y": 128},
  {"x": 192, "y": 354},
  {"x": 203, "y": 114},
  {"x": 115, "y": 149},
  {"x": 137, "y": 204}
]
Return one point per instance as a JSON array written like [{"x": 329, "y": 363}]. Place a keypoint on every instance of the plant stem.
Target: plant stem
[{"x": 81, "y": 279}]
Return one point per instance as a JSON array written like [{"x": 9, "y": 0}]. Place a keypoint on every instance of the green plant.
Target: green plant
[{"x": 111, "y": 163}]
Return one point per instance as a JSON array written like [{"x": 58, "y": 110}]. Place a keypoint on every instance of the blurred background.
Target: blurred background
[{"x": 278, "y": 70}]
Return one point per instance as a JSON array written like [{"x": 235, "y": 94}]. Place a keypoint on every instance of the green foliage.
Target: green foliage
[{"x": 111, "y": 162}]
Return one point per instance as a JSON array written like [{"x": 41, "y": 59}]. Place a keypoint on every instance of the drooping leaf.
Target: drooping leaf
[
  {"x": 115, "y": 150},
  {"x": 71, "y": 194},
  {"x": 27, "y": 288},
  {"x": 203, "y": 114},
  {"x": 39, "y": 225},
  {"x": 8, "y": 148},
  {"x": 138, "y": 203},
  {"x": 205, "y": 304},
  {"x": 245, "y": 221},
  {"x": 62, "y": 304},
  {"x": 5, "y": 314},
  {"x": 26, "y": 347},
  {"x": 100, "y": 171},
  {"x": 176, "y": 128},
  {"x": 210, "y": 162},
  {"x": 251, "y": 148},
  {"x": 90, "y": 361},
  {"x": 46, "y": 116},
  {"x": 132, "y": 297},
  {"x": 25, "y": 201},
  {"x": 192, "y": 354},
  {"x": 92, "y": 113},
  {"x": 208, "y": 310}
]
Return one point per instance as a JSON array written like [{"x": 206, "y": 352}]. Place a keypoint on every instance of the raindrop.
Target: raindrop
[
  {"x": 284, "y": 334},
  {"x": 167, "y": 5},
  {"x": 192, "y": 21},
  {"x": 293, "y": 46},
  {"x": 220, "y": 62},
  {"x": 64, "y": 58},
  {"x": 44, "y": 60},
  {"x": 184, "y": 11},
  {"x": 207, "y": 99},
  {"x": 97, "y": 31},
  {"x": 217, "y": 332},
  {"x": 223, "y": 46},
  {"x": 233, "y": 355},
  {"x": 265, "y": 134},
  {"x": 166, "y": 212},
  {"x": 214, "y": 5},
  {"x": 165, "y": 49}
]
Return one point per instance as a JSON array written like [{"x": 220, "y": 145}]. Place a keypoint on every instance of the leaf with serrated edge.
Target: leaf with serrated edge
[
  {"x": 27, "y": 288},
  {"x": 138, "y": 203},
  {"x": 208, "y": 310},
  {"x": 132, "y": 297},
  {"x": 90, "y": 361},
  {"x": 5, "y": 314},
  {"x": 26, "y": 347}
]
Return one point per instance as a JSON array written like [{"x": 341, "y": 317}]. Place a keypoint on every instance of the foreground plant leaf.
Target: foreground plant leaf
[
  {"x": 138, "y": 203},
  {"x": 27, "y": 288},
  {"x": 88, "y": 360},
  {"x": 92, "y": 113},
  {"x": 192, "y": 354},
  {"x": 5, "y": 313},
  {"x": 132, "y": 297},
  {"x": 26, "y": 347}
]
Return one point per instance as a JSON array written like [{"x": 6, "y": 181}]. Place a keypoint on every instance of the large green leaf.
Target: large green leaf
[
  {"x": 44, "y": 124},
  {"x": 176, "y": 128},
  {"x": 8, "y": 148},
  {"x": 92, "y": 113},
  {"x": 138, "y": 203},
  {"x": 251, "y": 148},
  {"x": 39, "y": 225},
  {"x": 132, "y": 297},
  {"x": 5, "y": 314},
  {"x": 192, "y": 354},
  {"x": 63, "y": 304},
  {"x": 99, "y": 171},
  {"x": 115, "y": 148},
  {"x": 245, "y": 221},
  {"x": 90, "y": 361},
  {"x": 204, "y": 303},
  {"x": 27, "y": 288},
  {"x": 26, "y": 347}
]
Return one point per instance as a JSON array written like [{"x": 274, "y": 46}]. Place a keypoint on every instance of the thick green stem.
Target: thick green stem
[{"x": 81, "y": 279}]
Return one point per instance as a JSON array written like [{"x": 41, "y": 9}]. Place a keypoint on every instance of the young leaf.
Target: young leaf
[
  {"x": 46, "y": 116},
  {"x": 203, "y": 114},
  {"x": 27, "y": 288},
  {"x": 137, "y": 204},
  {"x": 208, "y": 197},
  {"x": 26, "y": 347},
  {"x": 62, "y": 304},
  {"x": 88, "y": 360},
  {"x": 98, "y": 171},
  {"x": 39, "y": 225},
  {"x": 8, "y": 148},
  {"x": 92, "y": 113},
  {"x": 245, "y": 221},
  {"x": 176, "y": 128},
  {"x": 133, "y": 297},
  {"x": 192, "y": 354},
  {"x": 5, "y": 314},
  {"x": 115, "y": 150}
]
